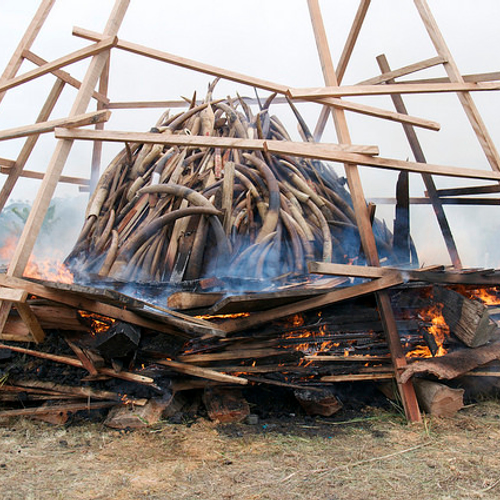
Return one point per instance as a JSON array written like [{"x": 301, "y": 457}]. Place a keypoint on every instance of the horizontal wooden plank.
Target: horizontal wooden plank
[
  {"x": 76, "y": 56},
  {"x": 474, "y": 78},
  {"x": 405, "y": 70},
  {"x": 307, "y": 150},
  {"x": 390, "y": 88},
  {"x": 252, "y": 81},
  {"x": 42, "y": 128},
  {"x": 4, "y": 162},
  {"x": 30, "y": 174},
  {"x": 443, "y": 201},
  {"x": 203, "y": 141},
  {"x": 13, "y": 294}
]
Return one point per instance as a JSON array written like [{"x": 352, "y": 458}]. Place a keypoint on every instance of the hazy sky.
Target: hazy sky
[{"x": 273, "y": 39}]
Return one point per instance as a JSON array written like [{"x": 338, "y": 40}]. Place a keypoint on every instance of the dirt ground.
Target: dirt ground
[{"x": 374, "y": 455}]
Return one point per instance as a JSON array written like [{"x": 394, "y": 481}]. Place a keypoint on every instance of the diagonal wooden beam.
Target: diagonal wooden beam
[
  {"x": 26, "y": 42},
  {"x": 208, "y": 69},
  {"x": 406, "y": 390},
  {"x": 59, "y": 63},
  {"x": 63, "y": 75},
  {"x": 454, "y": 75},
  {"x": 430, "y": 185}
]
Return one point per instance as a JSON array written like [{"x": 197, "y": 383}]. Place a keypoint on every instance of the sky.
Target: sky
[{"x": 273, "y": 40}]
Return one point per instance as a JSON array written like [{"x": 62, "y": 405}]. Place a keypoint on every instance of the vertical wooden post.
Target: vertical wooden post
[
  {"x": 27, "y": 41},
  {"x": 343, "y": 62},
  {"x": 406, "y": 390},
  {"x": 455, "y": 76},
  {"x": 401, "y": 239},
  {"x": 430, "y": 185},
  {"x": 97, "y": 148}
]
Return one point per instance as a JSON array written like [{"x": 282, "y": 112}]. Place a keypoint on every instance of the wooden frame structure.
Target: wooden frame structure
[{"x": 95, "y": 86}]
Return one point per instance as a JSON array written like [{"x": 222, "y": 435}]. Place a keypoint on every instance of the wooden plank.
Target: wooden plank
[
  {"x": 30, "y": 174},
  {"x": 63, "y": 147},
  {"x": 430, "y": 185},
  {"x": 192, "y": 300},
  {"x": 30, "y": 144},
  {"x": 476, "y": 77},
  {"x": 8, "y": 164},
  {"x": 207, "y": 141},
  {"x": 71, "y": 58},
  {"x": 352, "y": 39},
  {"x": 69, "y": 407},
  {"x": 48, "y": 126},
  {"x": 252, "y": 81},
  {"x": 353, "y": 271},
  {"x": 406, "y": 390},
  {"x": 234, "y": 325},
  {"x": 357, "y": 377},
  {"x": 389, "y": 75},
  {"x": 495, "y": 188},
  {"x": 200, "y": 372},
  {"x": 306, "y": 150},
  {"x": 313, "y": 93},
  {"x": 31, "y": 322},
  {"x": 97, "y": 147},
  {"x": 444, "y": 201},
  {"x": 454, "y": 75},
  {"x": 63, "y": 75},
  {"x": 26, "y": 42},
  {"x": 13, "y": 294}
]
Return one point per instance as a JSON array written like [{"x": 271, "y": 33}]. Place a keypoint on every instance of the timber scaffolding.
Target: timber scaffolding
[{"x": 331, "y": 97}]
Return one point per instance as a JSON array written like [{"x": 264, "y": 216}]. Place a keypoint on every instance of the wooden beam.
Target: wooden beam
[
  {"x": 352, "y": 39},
  {"x": 454, "y": 75},
  {"x": 367, "y": 237},
  {"x": 30, "y": 174},
  {"x": 26, "y": 42},
  {"x": 329, "y": 152},
  {"x": 443, "y": 201},
  {"x": 495, "y": 188},
  {"x": 430, "y": 185},
  {"x": 71, "y": 58},
  {"x": 394, "y": 88},
  {"x": 249, "y": 80},
  {"x": 48, "y": 126},
  {"x": 8, "y": 164},
  {"x": 304, "y": 149},
  {"x": 97, "y": 147},
  {"x": 63, "y": 75},
  {"x": 475, "y": 78},
  {"x": 388, "y": 75},
  {"x": 29, "y": 145},
  {"x": 326, "y": 299},
  {"x": 63, "y": 147}
]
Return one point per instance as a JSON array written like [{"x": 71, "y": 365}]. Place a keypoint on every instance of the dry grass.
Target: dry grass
[{"x": 379, "y": 457}]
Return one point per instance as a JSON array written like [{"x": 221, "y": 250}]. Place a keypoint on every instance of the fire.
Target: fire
[
  {"x": 224, "y": 316},
  {"x": 46, "y": 269},
  {"x": 437, "y": 328},
  {"x": 97, "y": 323},
  {"x": 487, "y": 296},
  {"x": 50, "y": 270}
]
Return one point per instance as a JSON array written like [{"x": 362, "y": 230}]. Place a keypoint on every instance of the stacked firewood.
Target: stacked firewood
[{"x": 164, "y": 213}]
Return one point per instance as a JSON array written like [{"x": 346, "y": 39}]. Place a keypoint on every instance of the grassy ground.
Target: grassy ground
[{"x": 376, "y": 456}]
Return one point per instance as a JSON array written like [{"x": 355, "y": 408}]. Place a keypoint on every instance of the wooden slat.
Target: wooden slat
[
  {"x": 71, "y": 58},
  {"x": 406, "y": 390},
  {"x": 307, "y": 150},
  {"x": 252, "y": 81},
  {"x": 386, "y": 76},
  {"x": 394, "y": 88},
  {"x": 352, "y": 39},
  {"x": 453, "y": 72},
  {"x": 495, "y": 188},
  {"x": 5, "y": 163},
  {"x": 475, "y": 78},
  {"x": 430, "y": 185},
  {"x": 444, "y": 201},
  {"x": 304, "y": 149},
  {"x": 31, "y": 322},
  {"x": 48, "y": 126},
  {"x": 26, "y": 42},
  {"x": 30, "y": 174},
  {"x": 63, "y": 75},
  {"x": 197, "y": 371},
  {"x": 13, "y": 294}
]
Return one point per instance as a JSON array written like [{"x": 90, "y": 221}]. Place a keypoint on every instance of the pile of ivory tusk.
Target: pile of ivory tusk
[{"x": 168, "y": 214}]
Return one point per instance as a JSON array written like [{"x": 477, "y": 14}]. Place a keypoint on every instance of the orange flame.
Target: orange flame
[
  {"x": 98, "y": 323},
  {"x": 437, "y": 328}
]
